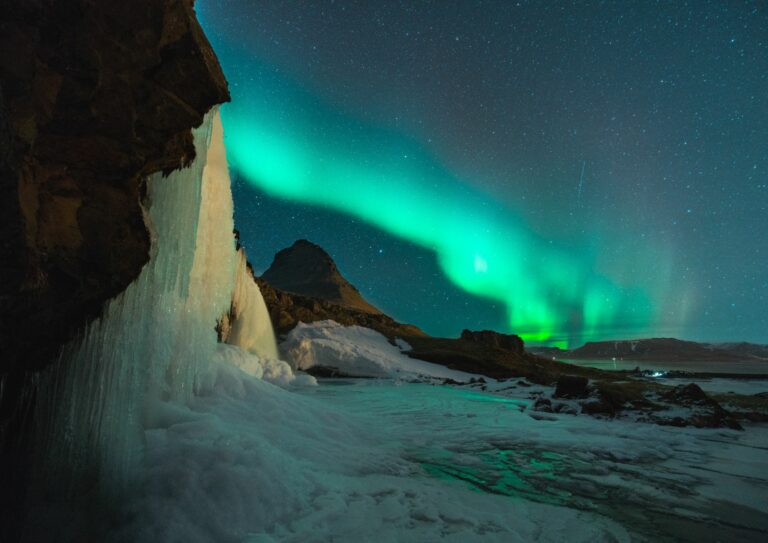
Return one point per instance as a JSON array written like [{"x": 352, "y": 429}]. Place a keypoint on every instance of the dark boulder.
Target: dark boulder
[
  {"x": 599, "y": 407},
  {"x": 572, "y": 386},
  {"x": 565, "y": 408},
  {"x": 705, "y": 411},
  {"x": 690, "y": 394}
]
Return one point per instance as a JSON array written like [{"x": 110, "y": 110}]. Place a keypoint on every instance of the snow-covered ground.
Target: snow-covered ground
[
  {"x": 659, "y": 483},
  {"x": 248, "y": 461},
  {"x": 382, "y": 460}
]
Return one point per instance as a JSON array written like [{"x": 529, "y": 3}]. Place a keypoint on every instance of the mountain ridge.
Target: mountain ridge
[{"x": 661, "y": 349}]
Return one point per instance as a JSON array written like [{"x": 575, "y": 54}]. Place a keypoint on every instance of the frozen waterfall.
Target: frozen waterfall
[
  {"x": 250, "y": 327},
  {"x": 155, "y": 340}
]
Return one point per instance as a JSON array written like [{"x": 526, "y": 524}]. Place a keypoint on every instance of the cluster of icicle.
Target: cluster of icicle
[{"x": 157, "y": 338}]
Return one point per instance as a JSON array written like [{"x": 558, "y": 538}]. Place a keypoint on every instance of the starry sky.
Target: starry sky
[{"x": 569, "y": 171}]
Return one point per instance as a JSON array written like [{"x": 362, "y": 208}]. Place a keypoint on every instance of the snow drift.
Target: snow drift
[{"x": 358, "y": 351}]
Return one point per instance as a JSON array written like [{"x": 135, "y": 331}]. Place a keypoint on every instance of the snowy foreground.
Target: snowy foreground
[{"x": 388, "y": 460}]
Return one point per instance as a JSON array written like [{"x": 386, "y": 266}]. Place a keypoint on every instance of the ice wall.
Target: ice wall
[{"x": 153, "y": 342}]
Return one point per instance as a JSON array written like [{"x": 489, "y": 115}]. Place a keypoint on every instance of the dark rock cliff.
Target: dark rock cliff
[{"x": 94, "y": 96}]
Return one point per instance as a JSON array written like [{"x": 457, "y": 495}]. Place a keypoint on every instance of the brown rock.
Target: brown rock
[
  {"x": 94, "y": 97},
  {"x": 690, "y": 394},
  {"x": 489, "y": 338},
  {"x": 599, "y": 407}
]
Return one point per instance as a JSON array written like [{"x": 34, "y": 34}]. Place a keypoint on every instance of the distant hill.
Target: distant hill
[
  {"x": 306, "y": 269},
  {"x": 662, "y": 349},
  {"x": 753, "y": 349}
]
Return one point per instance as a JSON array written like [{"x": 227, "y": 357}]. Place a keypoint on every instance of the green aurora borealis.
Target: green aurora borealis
[
  {"x": 461, "y": 131},
  {"x": 293, "y": 146}
]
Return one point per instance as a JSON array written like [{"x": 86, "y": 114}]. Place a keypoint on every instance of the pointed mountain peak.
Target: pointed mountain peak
[{"x": 307, "y": 269}]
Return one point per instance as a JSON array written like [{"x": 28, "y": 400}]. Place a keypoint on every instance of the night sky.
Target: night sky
[{"x": 568, "y": 171}]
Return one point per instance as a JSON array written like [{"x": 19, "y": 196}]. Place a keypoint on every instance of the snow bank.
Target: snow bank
[{"x": 358, "y": 351}]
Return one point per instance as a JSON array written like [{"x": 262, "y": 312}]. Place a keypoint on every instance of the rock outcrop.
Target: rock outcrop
[
  {"x": 287, "y": 309},
  {"x": 94, "y": 97},
  {"x": 572, "y": 386},
  {"x": 306, "y": 269},
  {"x": 489, "y": 338},
  {"x": 705, "y": 411}
]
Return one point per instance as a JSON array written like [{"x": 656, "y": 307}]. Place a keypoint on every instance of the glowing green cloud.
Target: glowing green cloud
[{"x": 292, "y": 145}]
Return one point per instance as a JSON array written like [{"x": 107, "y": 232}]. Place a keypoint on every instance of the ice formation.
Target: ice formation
[
  {"x": 153, "y": 337},
  {"x": 156, "y": 339},
  {"x": 250, "y": 327},
  {"x": 248, "y": 334}
]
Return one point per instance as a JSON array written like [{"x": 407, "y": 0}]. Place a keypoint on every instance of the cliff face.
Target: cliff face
[{"x": 94, "y": 96}]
